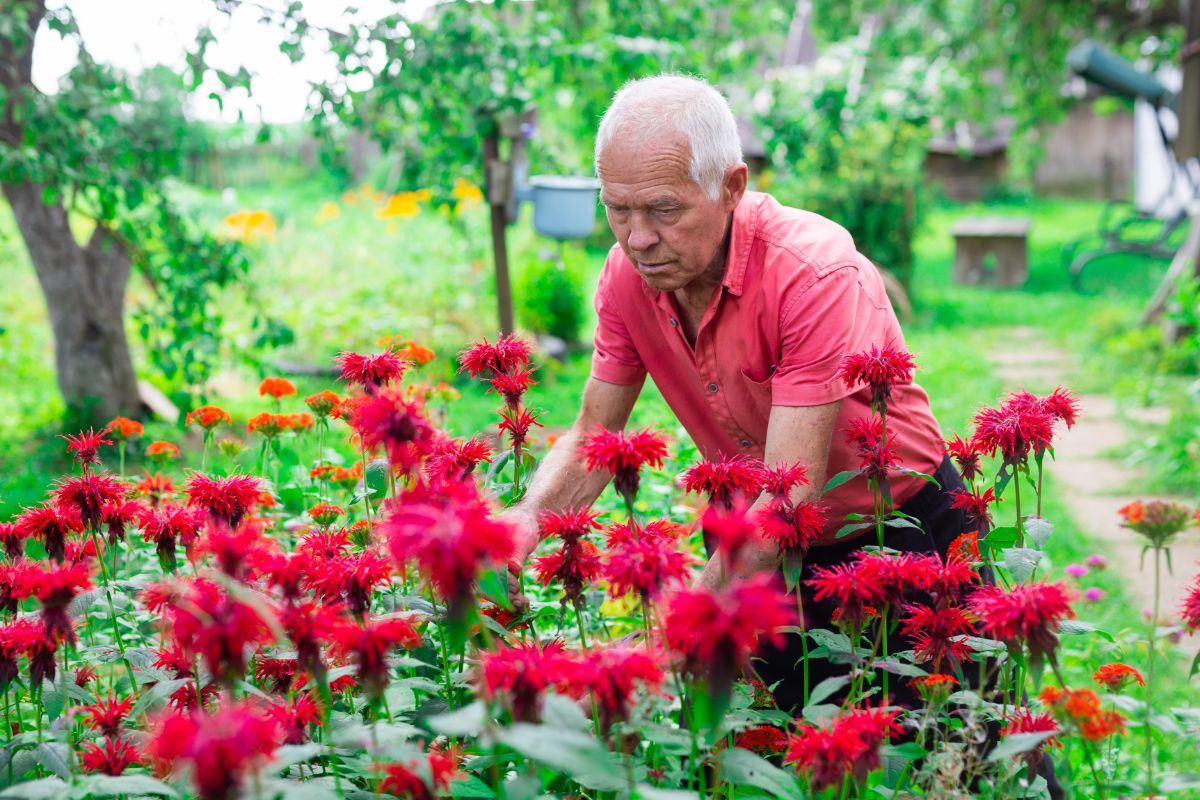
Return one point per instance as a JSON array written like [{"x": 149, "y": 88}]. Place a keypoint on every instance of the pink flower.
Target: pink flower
[
  {"x": 1097, "y": 561},
  {"x": 1094, "y": 594},
  {"x": 1075, "y": 570}
]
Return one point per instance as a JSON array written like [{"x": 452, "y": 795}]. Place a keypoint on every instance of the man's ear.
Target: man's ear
[{"x": 734, "y": 185}]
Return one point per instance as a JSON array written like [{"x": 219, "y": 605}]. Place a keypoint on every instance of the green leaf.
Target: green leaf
[
  {"x": 744, "y": 768},
  {"x": 470, "y": 786},
  {"x": 907, "y": 750},
  {"x": 1021, "y": 562},
  {"x": 851, "y": 527},
  {"x": 41, "y": 789},
  {"x": 53, "y": 756},
  {"x": 466, "y": 721},
  {"x": 292, "y": 754},
  {"x": 998, "y": 539},
  {"x": 1018, "y": 743},
  {"x": 900, "y": 522},
  {"x": 156, "y": 694},
  {"x": 562, "y": 712},
  {"x": 577, "y": 755},
  {"x": 110, "y": 785},
  {"x": 840, "y": 478},
  {"x": 493, "y": 584},
  {"x": 835, "y": 642},
  {"x": 645, "y": 792},
  {"x": 827, "y": 688},
  {"x": 897, "y": 667},
  {"x": 918, "y": 474},
  {"x": 1038, "y": 530}
]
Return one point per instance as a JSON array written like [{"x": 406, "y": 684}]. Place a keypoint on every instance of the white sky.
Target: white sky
[{"x": 135, "y": 34}]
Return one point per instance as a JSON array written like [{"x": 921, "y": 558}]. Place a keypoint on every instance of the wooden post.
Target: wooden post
[{"x": 499, "y": 178}]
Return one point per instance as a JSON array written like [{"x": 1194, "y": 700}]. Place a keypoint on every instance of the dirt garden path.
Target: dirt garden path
[{"x": 1094, "y": 482}]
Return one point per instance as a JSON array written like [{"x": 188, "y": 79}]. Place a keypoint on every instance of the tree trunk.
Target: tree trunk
[{"x": 85, "y": 295}]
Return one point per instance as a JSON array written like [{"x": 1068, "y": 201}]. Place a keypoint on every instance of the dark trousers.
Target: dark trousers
[{"x": 940, "y": 526}]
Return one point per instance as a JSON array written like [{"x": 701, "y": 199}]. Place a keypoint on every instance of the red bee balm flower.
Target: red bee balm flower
[
  {"x": 937, "y": 634},
  {"x": 170, "y": 525},
  {"x": 575, "y": 565},
  {"x": 793, "y": 527},
  {"x": 405, "y": 780},
  {"x": 56, "y": 586},
  {"x": 1026, "y": 614},
  {"x": 221, "y": 749},
  {"x": 517, "y": 422},
  {"x": 624, "y": 454},
  {"x": 87, "y": 495},
  {"x": 386, "y": 419},
  {"x": 716, "y": 632},
  {"x": 610, "y": 675},
  {"x": 725, "y": 479},
  {"x": 1016, "y": 428},
  {"x": 353, "y": 578},
  {"x": 111, "y": 758},
  {"x": 1026, "y": 721},
  {"x": 966, "y": 454},
  {"x": 523, "y": 673},
  {"x": 874, "y": 444},
  {"x": 766, "y": 740},
  {"x": 371, "y": 371},
  {"x": 226, "y": 499},
  {"x": 512, "y": 386},
  {"x": 454, "y": 459},
  {"x": 846, "y": 747},
  {"x": 369, "y": 643},
  {"x": 107, "y": 715},
  {"x": 976, "y": 505},
  {"x": 13, "y": 540},
  {"x": 208, "y": 621},
  {"x": 276, "y": 387},
  {"x": 1116, "y": 677},
  {"x": 1189, "y": 607},
  {"x": 646, "y": 565},
  {"x": 293, "y": 717},
  {"x": 483, "y": 360},
  {"x": 880, "y": 369},
  {"x": 86, "y": 446},
  {"x": 50, "y": 524}
]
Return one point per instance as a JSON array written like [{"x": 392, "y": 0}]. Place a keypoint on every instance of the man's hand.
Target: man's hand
[{"x": 525, "y": 527}]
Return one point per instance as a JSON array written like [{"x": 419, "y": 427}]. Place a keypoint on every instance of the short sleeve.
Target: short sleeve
[
  {"x": 615, "y": 359},
  {"x": 819, "y": 325}
]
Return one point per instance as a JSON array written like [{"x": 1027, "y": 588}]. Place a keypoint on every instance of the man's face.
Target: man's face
[{"x": 663, "y": 220}]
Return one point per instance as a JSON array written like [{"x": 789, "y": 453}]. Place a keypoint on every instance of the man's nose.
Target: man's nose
[{"x": 642, "y": 237}]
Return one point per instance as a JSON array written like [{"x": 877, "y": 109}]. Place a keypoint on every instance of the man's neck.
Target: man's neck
[{"x": 697, "y": 294}]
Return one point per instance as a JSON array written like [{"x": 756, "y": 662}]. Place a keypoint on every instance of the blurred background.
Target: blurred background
[{"x": 201, "y": 193}]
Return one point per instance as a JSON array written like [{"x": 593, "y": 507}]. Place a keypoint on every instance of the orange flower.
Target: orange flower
[
  {"x": 154, "y": 486},
  {"x": 124, "y": 428},
  {"x": 266, "y": 500},
  {"x": 1133, "y": 513},
  {"x": 1082, "y": 708},
  {"x": 326, "y": 514},
  {"x": 1101, "y": 726},
  {"x": 162, "y": 451},
  {"x": 324, "y": 403},
  {"x": 208, "y": 417},
  {"x": 268, "y": 424},
  {"x": 411, "y": 351},
  {"x": 966, "y": 548},
  {"x": 350, "y": 476},
  {"x": 301, "y": 421},
  {"x": 323, "y": 472},
  {"x": 276, "y": 387},
  {"x": 1115, "y": 677}
]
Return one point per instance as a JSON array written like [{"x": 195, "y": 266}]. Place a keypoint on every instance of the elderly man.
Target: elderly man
[{"x": 741, "y": 310}]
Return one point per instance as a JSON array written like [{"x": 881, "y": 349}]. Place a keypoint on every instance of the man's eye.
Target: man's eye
[{"x": 666, "y": 213}]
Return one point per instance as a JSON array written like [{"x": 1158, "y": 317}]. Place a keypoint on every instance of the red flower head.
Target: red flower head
[
  {"x": 610, "y": 675},
  {"x": 353, "y": 578},
  {"x": 570, "y": 526},
  {"x": 523, "y": 673},
  {"x": 847, "y": 746},
  {"x": 386, "y": 419},
  {"x": 87, "y": 495},
  {"x": 209, "y": 621},
  {"x": 455, "y": 459},
  {"x": 18, "y": 581},
  {"x": 369, "y": 642},
  {"x": 22, "y": 636},
  {"x": 512, "y": 385},
  {"x": 1060, "y": 404},
  {"x": 856, "y": 592},
  {"x": 780, "y": 479},
  {"x": 450, "y": 535},
  {"x": 170, "y": 525},
  {"x": 276, "y": 387},
  {"x": 715, "y": 633},
  {"x": 123, "y": 428},
  {"x": 1116, "y": 677},
  {"x": 324, "y": 545},
  {"x": 977, "y": 505},
  {"x": 937, "y": 634},
  {"x": 293, "y": 717},
  {"x": 966, "y": 454},
  {"x": 220, "y": 749},
  {"x": 154, "y": 487},
  {"x": 371, "y": 372},
  {"x": 875, "y": 446},
  {"x": 517, "y": 422},
  {"x": 729, "y": 529},
  {"x": 226, "y": 499},
  {"x": 50, "y": 524},
  {"x": 111, "y": 758},
  {"x": 86, "y": 446},
  {"x": 118, "y": 515},
  {"x": 965, "y": 548},
  {"x": 107, "y": 715},
  {"x": 1016, "y": 428},
  {"x": 624, "y": 454},
  {"x": 56, "y": 586},
  {"x": 421, "y": 780},
  {"x": 647, "y": 566},
  {"x": 86, "y": 674},
  {"x": 307, "y": 624},
  {"x": 484, "y": 360},
  {"x": 880, "y": 369},
  {"x": 765, "y": 740},
  {"x": 1082, "y": 709},
  {"x": 234, "y": 548},
  {"x": 276, "y": 673},
  {"x": 724, "y": 480},
  {"x": 1026, "y": 614},
  {"x": 269, "y": 425},
  {"x": 208, "y": 417},
  {"x": 793, "y": 527},
  {"x": 13, "y": 540},
  {"x": 1189, "y": 607},
  {"x": 950, "y": 578},
  {"x": 1026, "y": 721},
  {"x": 575, "y": 565}
]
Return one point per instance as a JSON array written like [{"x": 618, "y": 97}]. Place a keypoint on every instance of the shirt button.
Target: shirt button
[
  {"x": 674, "y": 323},
  {"x": 712, "y": 388},
  {"x": 744, "y": 443}
]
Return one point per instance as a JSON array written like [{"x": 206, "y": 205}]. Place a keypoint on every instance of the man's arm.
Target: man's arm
[
  {"x": 800, "y": 434},
  {"x": 562, "y": 480}
]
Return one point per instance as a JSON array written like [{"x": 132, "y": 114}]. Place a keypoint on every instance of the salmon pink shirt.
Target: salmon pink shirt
[{"x": 796, "y": 298}]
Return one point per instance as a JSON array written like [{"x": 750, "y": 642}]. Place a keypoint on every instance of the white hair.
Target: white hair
[{"x": 646, "y": 108}]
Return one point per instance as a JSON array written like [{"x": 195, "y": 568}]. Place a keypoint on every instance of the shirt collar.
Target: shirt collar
[{"x": 741, "y": 237}]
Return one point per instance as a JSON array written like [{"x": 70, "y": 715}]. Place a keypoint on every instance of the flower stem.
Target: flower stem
[{"x": 1153, "y": 634}]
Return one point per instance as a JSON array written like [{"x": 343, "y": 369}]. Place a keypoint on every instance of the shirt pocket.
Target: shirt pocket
[{"x": 755, "y": 406}]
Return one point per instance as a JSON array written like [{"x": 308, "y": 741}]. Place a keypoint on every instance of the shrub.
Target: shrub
[{"x": 550, "y": 294}]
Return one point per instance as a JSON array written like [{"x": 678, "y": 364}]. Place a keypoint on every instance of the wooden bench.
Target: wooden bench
[{"x": 991, "y": 251}]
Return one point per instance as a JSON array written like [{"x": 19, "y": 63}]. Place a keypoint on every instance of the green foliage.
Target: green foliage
[
  {"x": 851, "y": 149},
  {"x": 550, "y": 294}
]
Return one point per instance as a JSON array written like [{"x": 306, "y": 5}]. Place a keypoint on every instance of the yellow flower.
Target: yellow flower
[
  {"x": 327, "y": 213},
  {"x": 424, "y": 195},
  {"x": 251, "y": 226},
  {"x": 403, "y": 204},
  {"x": 466, "y": 192}
]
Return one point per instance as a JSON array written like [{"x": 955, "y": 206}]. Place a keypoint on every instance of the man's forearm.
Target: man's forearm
[{"x": 562, "y": 480}]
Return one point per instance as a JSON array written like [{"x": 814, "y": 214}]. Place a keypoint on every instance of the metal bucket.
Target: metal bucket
[{"x": 564, "y": 207}]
